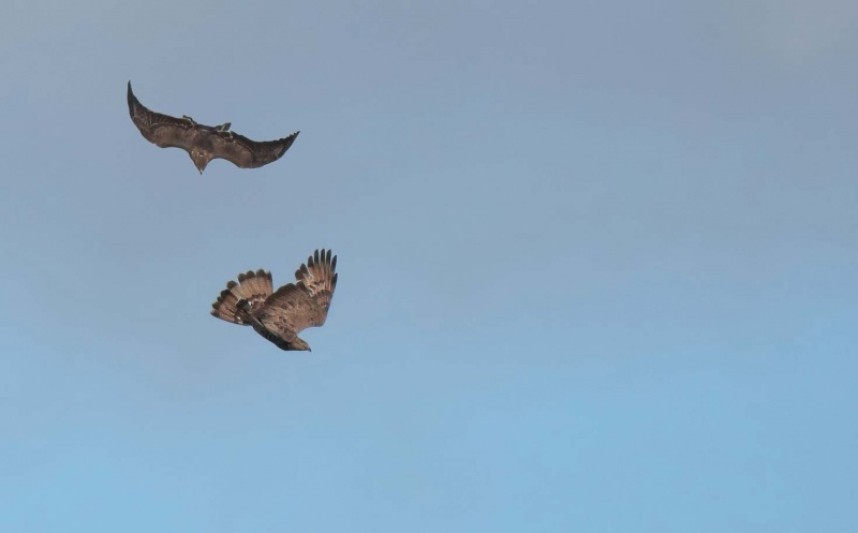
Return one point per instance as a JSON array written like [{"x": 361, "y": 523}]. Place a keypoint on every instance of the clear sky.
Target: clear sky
[{"x": 598, "y": 267}]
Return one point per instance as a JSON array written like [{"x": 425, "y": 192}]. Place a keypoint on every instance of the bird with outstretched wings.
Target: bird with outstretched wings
[
  {"x": 280, "y": 315},
  {"x": 204, "y": 143}
]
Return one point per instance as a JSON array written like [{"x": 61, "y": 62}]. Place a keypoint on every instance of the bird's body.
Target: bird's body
[
  {"x": 204, "y": 143},
  {"x": 280, "y": 315}
]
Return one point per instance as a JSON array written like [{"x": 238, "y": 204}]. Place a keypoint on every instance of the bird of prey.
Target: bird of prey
[
  {"x": 204, "y": 143},
  {"x": 280, "y": 315}
]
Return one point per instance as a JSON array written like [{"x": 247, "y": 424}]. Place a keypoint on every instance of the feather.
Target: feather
[
  {"x": 204, "y": 143},
  {"x": 280, "y": 315},
  {"x": 252, "y": 287}
]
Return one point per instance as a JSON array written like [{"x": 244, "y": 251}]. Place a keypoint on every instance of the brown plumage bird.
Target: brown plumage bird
[
  {"x": 204, "y": 143},
  {"x": 280, "y": 315}
]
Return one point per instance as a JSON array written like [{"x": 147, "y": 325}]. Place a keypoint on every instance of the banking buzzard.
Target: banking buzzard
[
  {"x": 204, "y": 143},
  {"x": 280, "y": 315}
]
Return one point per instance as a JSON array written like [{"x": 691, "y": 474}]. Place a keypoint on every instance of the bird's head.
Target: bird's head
[
  {"x": 200, "y": 159},
  {"x": 300, "y": 345}
]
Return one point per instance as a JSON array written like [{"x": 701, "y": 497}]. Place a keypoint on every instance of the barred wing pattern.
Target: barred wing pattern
[
  {"x": 297, "y": 306},
  {"x": 280, "y": 315}
]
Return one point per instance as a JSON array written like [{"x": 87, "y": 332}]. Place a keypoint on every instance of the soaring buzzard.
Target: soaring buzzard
[
  {"x": 280, "y": 315},
  {"x": 204, "y": 143}
]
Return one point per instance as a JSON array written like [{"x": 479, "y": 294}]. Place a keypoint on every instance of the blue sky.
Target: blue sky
[{"x": 597, "y": 267}]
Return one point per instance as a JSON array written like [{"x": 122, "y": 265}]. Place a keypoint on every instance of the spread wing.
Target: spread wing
[
  {"x": 157, "y": 128},
  {"x": 253, "y": 287},
  {"x": 245, "y": 153},
  {"x": 303, "y": 304}
]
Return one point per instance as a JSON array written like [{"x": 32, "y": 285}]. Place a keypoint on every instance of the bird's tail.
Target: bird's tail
[{"x": 238, "y": 299}]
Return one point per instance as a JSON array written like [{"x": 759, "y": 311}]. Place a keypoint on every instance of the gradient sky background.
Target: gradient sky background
[{"x": 597, "y": 267}]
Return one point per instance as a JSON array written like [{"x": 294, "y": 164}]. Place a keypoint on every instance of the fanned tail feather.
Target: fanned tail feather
[{"x": 252, "y": 287}]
